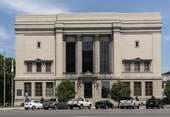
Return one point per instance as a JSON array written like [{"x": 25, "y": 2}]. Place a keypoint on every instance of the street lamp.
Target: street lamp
[
  {"x": 12, "y": 87},
  {"x": 4, "y": 78}
]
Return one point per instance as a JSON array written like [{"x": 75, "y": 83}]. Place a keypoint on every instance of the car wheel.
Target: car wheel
[
  {"x": 96, "y": 107},
  {"x": 137, "y": 107},
  {"x": 121, "y": 107},
  {"x": 112, "y": 107},
  {"x": 80, "y": 107},
  {"x": 46, "y": 108},
  {"x": 26, "y": 108},
  {"x": 55, "y": 107},
  {"x": 147, "y": 107},
  {"x": 71, "y": 107},
  {"x": 33, "y": 108},
  {"x": 106, "y": 107},
  {"x": 89, "y": 107}
]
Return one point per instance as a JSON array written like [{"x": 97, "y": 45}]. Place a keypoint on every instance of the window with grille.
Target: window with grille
[
  {"x": 38, "y": 89},
  {"x": 137, "y": 66},
  {"x": 127, "y": 66},
  {"x": 38, "y": 65},
  {"x": 27, "y": 88},
  {"x": 148, "y": 88},
  {"x": 48, "y": 67},
  {"x": 146, "y": 66},
  {"x": 49, "y": 89},
  {"x": 137, "y": 88}
]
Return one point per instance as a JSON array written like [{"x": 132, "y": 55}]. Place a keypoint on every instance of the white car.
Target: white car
[
  {"x": 34, "y": 104},
  {"x": 128, "y": 102}
]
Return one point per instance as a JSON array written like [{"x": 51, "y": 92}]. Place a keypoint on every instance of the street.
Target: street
[{"x": 87, "y": 113}]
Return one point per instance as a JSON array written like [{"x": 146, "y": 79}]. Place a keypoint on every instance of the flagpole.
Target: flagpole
[
  {"x": 4, "y": 79},
  {"x": 12, "y": 95}
]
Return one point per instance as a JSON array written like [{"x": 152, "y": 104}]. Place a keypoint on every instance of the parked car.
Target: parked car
[
  {"x": 154, "y": 103},
  {"x": 128, "y": 102},
  {"x": 55, "y": 104},
  {"x": 104, "y": 104},
  {"x": 34, "y": 104},
  {"x": 80, "y": 102}
]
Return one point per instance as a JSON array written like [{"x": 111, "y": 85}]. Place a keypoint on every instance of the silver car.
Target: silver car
[{"x": 128, "y": 102}]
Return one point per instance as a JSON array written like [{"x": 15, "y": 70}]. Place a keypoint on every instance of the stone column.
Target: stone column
[
  {"x": 118, "y": 49},
  {"x": 97, "y": 54},
  {"x": 111, "y": 54},
  {"x": 79, "y": 54},
  {"x": 59, "y": 51},
  {"x": 64, "y": 54}
]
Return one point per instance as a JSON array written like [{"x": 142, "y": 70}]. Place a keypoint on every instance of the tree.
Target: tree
[
  {"x": 65, "y": 90},
  {"x": 167, "y": 92},
  {"x": 118, "y": 90},
  {"x": 8, "y": 74}
]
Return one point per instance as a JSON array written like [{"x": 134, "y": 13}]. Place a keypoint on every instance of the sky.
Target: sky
[{"x": 10, "y": 8}]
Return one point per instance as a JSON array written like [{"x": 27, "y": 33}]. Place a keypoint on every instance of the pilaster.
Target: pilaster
[
  {"x": 79, "y": 54},
  {"x": 97, "y": 54}
]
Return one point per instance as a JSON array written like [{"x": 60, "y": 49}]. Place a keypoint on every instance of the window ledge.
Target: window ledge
[{"x": 39, "y": 73}]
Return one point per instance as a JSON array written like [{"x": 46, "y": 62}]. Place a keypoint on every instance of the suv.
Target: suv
[
  {"x": 154, "y": 103},
  {"x": 55, "y": 104},
  {"x": 128, "y": 102}
]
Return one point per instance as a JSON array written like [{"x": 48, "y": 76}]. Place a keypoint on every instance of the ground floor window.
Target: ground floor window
[
  {"x": 105, "y": 88},
  {"x": 27, "y": 89},
  {"x": 88, "y": 89},
  {"x": 137, "y": 88},
  {"x": 38, "y": 89},
  {"x": 49, "y": 89},
  {"x": 148, "y": 88}
]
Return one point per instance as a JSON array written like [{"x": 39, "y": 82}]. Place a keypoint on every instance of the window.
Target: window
[
  {"x": 105, "y": 88},
  {"x": 104, "y": 57},
  {"x": 87, "y": 56},
  {"x": 88, "y": 89},
  {"x": 146, "y": 66},
  {"x": 38, "y": 67},
  {"x": 19, "y": 92},
  {"x": 27, "y": 89},
  {"x": 136, "y": 44},
  {"x": 70, "y": 56},
  {"x": 38, "y": 89},
  {"x": 137, "y": 66},
  {"x": 137, "y": 88},
  {"x": 148, "y": 88},
  {"x": 49, "y": 89},
  {"x": 127, "y": 66},
  {"x": 48, "y": 67},
  {"x": 127, "y": 84},
  {"x": 38, "y": 44},
  {"x": 29, "y": 67}
]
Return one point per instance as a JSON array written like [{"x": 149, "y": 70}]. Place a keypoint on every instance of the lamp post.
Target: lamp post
[{"x": 4, "y": 78}]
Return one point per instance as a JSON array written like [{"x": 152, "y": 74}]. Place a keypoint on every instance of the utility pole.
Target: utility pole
[
  {"x": 12, "y": 82},
  {"x": 4, "y": 79}
]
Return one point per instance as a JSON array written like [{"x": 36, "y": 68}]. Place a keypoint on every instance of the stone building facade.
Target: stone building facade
[{"x": 92, "y": 50}]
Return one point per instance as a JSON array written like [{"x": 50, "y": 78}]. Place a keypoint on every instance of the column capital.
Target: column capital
[
  {"x": 79, "y": 37},
  {"x": 96, "y": 37}
]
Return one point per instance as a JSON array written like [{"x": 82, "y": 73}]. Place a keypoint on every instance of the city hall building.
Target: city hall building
[{"x": 92, "y": 50}]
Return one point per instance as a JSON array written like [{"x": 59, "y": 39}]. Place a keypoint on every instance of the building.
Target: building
[{"x": 92, "y": 50}]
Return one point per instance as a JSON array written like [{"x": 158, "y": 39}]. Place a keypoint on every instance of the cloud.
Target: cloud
[
  {"x": 4, "y": 35},
  {"x": 32, "y": 7}
]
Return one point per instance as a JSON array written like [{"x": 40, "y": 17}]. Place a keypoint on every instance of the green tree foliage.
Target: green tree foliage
[
  {"x": 167, "y": 90},
  {"x": 65, "y": 90},
  {"x": 8, "y": 74},
  {"x": 118, "y": 90}
]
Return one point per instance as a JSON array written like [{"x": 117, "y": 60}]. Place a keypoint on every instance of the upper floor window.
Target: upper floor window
[
  {"x": 137, "y": 66},
  {"x": 127, "y": 66},
  {"x": 38, "y": 44},
  {"x": 48, "y": 67},
  {"x": 38, "y": 65},
  {"x": 146, "y": 66},
  {"x": 29, "y": 67}
]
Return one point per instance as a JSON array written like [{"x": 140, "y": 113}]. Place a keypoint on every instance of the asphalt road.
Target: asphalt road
[{"x": 87, "y": 113}]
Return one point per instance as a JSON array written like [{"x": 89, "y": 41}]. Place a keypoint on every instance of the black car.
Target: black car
[
  {"x": 151, "y": 103},
  {"x": 104, "y": 104}
]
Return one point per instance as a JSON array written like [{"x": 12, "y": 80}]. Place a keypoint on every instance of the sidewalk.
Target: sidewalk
[{"x": 11, "y": 108}]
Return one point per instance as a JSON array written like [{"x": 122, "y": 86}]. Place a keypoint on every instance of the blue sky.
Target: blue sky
[{"x": 10, "y": 8}]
